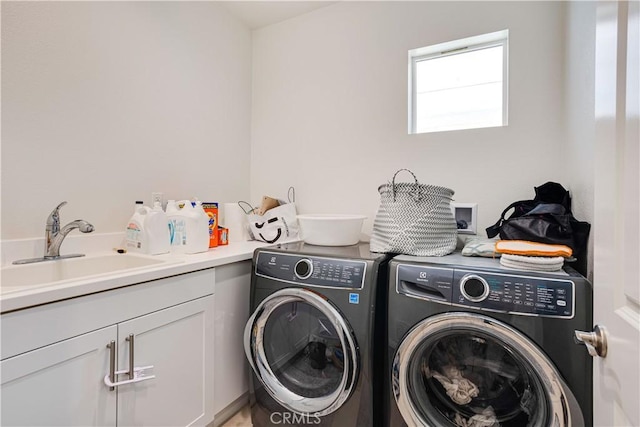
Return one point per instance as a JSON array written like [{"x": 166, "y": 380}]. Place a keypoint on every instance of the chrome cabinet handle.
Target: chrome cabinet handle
[
  {"x": 131, "y": 346},
  {"x": 596, "y": 341},
  {"x": 112, "y": 363},
  {"x": 135, "y": 374}
]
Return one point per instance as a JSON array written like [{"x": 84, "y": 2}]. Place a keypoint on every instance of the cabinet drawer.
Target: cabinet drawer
[{"x": 36, "y": 327}]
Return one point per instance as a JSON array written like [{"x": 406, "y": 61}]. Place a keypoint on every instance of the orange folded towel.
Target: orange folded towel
[{"x": 523, "y": 247}]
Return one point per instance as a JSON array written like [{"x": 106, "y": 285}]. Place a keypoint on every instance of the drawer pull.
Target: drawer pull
[
  {"x": 130, "y": 372},
  {"x": 135, "y": 374},
  {"x": 112, "y": 362}
]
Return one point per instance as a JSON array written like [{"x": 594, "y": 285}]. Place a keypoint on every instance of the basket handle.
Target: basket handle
[
  {"x": 417, "y": 195},
  {"x": 243, "y": 205}
]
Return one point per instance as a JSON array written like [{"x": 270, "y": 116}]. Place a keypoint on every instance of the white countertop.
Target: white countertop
[{"x": 174, "y": 264}]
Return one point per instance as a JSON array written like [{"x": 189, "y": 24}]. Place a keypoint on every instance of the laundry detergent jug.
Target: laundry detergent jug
[
  {"x": 134, "y": 238},
  {"x": 148, "y": 230},
  {"x": 157, "y": 231},
  {"x": 188, "y": 227}
]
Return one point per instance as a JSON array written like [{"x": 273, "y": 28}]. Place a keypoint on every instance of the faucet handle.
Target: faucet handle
[{"x": 54, "y": 216}]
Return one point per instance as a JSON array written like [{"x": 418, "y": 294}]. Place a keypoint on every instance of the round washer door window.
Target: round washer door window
[
  {"x": 303, "y": 351},
  {"x": 462, "y": 369}
]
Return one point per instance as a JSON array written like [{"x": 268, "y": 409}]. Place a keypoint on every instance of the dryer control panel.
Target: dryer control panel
[
  {"x": 311, "y": 270},
  {"x": 502, "y": 292}
]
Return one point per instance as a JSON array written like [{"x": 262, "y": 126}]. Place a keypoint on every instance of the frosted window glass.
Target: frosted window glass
[{"x": 462, "y": 90}]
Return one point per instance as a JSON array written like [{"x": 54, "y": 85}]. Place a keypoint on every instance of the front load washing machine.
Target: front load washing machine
[
  {"x": 311, "y": 336},
  {"x": 471, "y": 343}
]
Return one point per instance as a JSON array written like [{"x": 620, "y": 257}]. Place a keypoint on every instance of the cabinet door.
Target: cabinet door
[
  {"x": 233, "y": 284},
  {"x": 178, "y": 342},
  {"x": 60, "y": 384}
]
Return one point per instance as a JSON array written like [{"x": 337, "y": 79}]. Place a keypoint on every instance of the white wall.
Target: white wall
[
  {"x": 105, "y": 102},
  {"x": 329, "y": 113},
  {"x": 580, "y": 110}
]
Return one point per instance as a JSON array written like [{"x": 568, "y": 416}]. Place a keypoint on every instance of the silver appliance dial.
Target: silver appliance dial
[
  {"x": 303, "y": 268},
  {"x": 474, "y": 288}
]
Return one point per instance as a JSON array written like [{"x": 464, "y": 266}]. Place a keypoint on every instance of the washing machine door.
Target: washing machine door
[
  {"x": 303, "y": 351},
  {"x": 463, "y": 369}
]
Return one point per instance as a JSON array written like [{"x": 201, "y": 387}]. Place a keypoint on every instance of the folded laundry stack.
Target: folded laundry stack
[
  {"x": 533, "y": 256},
  {"x": 521, "y": 262}
]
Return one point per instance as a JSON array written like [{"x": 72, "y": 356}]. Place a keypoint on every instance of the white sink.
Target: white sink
[{"x": 19, "y": 277}]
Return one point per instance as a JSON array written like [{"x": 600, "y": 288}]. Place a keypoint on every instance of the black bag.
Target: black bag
[{"x": 545, "y": 219}]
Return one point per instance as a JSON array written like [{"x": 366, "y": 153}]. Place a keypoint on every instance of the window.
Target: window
[{"x": 459, "y": 85}]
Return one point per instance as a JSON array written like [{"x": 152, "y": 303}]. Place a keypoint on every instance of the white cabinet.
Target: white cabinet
[
  {"x": 174, "y": 342},
  {"x": 60, "y": 384},
  {"x": 57, "y": 378},
  {"x": 233, "y": 284}
]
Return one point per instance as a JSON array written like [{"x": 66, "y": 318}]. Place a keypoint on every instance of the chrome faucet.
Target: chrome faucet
[{"x": 54, "y": 236}]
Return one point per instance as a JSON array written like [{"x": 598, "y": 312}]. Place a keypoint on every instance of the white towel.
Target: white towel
[
  {"x": 485, "y": 419},
  {"x": 531, "y": 263},
  {"x": 481, "y": 247},
  {"x": 458, "y": 388}
]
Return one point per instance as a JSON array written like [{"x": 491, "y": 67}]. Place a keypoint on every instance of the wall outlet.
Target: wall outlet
[
  {"x": 465, "y": 214},
  {"x": 157, "y": 197}
]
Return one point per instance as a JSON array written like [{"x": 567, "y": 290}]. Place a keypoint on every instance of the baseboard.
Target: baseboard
[{"x": 231, "y": 409}]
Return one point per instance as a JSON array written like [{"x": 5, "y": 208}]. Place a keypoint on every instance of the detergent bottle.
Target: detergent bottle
[
  {"x": 177, "y": 228},
  {"x": 134, "y": 239},
  {"x": 189, "y": 234},
  {"x": 156, "y": 230}
]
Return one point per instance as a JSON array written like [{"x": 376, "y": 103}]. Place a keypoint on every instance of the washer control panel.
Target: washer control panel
[
  {"x": 509, "y": 293},
  {"x": 311, "y": 270}
]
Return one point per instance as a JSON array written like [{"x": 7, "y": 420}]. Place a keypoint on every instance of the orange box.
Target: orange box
[
  {"x": 211, "y": 209},
  {"x": 223, "y": 236}
]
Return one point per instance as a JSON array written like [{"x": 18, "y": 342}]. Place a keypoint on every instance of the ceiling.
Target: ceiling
[{"x": 256, "y": 14}]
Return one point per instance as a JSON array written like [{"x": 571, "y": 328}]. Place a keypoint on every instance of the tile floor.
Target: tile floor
[{"x": 242, "y": 418}]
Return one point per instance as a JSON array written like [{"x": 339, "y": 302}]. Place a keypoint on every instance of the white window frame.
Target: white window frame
[{"x": 456, "y": 47}]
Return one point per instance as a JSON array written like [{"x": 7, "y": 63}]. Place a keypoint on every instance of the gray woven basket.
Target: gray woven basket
[{"x": 414, "y": 219}]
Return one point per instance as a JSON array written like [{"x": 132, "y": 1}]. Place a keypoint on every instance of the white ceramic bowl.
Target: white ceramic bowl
[{"x": 331, "y": 229}]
